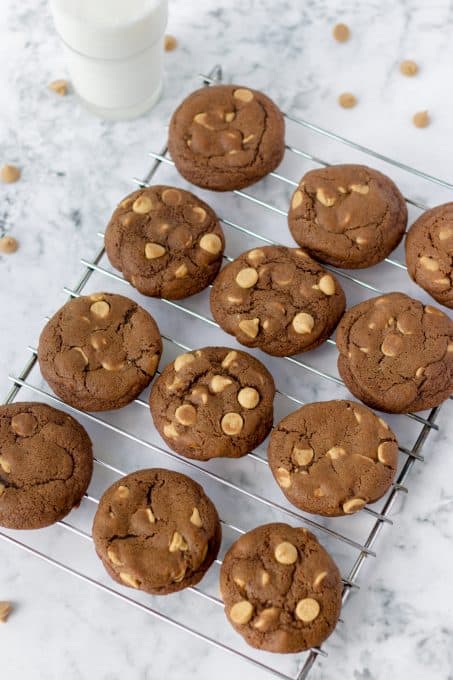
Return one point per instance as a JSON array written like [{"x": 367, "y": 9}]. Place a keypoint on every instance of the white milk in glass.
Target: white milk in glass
[{"x": 114, "y": 52}]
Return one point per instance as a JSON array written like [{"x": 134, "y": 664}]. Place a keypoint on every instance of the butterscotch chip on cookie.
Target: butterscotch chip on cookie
[
  {"x": 429, "y": 253},
  {"x": 277, "y": 299},
  {"x": 226, "y": 137},
  {"x": 156, "y": 530},
  {"x": 46, "y": 462},
  {"x": 281, "y": 589},
  {"x": 396, "y": 354},
  {"x": 213, "y": 402},
  {"x": 99, "y": 351},
  {"x": 347, "y": 215},
  {"x": 333, "y": 457},
  {"x": 167, "y": 242}
]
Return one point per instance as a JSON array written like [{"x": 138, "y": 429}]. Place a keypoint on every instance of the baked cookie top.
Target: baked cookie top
[
  {"x": 148, "y": 541},
  {"x": 46, "y": 463},
  {"x": 347, "y": 215},
  {"x": 167, "y": 242},
  {"x": 281, "y": 589},
  {"x": 99, "y": 351},
  {"x": 213, "y": 402},
  {"x": 429, "y": 253},
  {"x": 396, "y": 354},
  {"x": 333, "y": 457},
  {"x": 226, "y": 137},
  {"x": 277, "y": 299}
]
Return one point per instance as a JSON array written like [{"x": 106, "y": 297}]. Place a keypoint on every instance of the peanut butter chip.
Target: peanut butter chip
[
  {"x": 243, "y": 95},
  {"x": 232, "y": 423},
  {"x": 239, "y": 581},
  {"x": 283, "y": 477},
  {"x": 327, "y": 285},
  {"x": 302, "y": 456},
  {"x": 445, "y": 233},
  {"x": 171, "y": 197},
  {"x": 266, "y": 618},
  {"x": 113, "y": 557},
  {"x": 421, "y": 119},
  {"x": 195, "y": 518},
  {"x": 59, "y": 86},
  {"x": 249, "y": 327},
  {"x": 256, "y": 256},
  {"x": 341, "y": 32},
  {"x": 247, "y": 277},
  {"x": 8, "y": 245},
  {"x": 183, "y": 360},
  {"x": 265, "y": 578},
  {"x": 186, "y": 415},
  {"x": 198, "y": 214},
  {"x": 122, "y": 492},
  {"x": 392, "y": 345},
  {"x": 336, "y": 452},
  {"x": 24, "y": 424},
  {"x": 248, "y": 397},
  {"x": 230, "y": 357},
  {"x": 129, "y": 580},
  {"x": 82, "y": 354},
  {"x": 154, "y": 250},
  {"x": 112, "y": 365},
  {"x": 150, "y": 515},
  {"x": 142, "y": 205},
  {"x": 360, "y": 188},
  {"x": 297, "y": 199},
  {"x": 170, "y": 43},
  {"x": 319, "y": 579},
  {"x": 433, "y": 310},
  {"x": 386, "y": 453},
  {"x": 303, "y": 323},
  {"x": 353, "y": 505},
  {"x": 241, "y": 612},
  {"x": 230, "y": 116},
  {"x": 218, "y": 383},
  {"x": 408, "y": 67},
  {"x": 2, "y": 489},
  {"x": 170, "y": 431},
  {"x": 9, "y": 173},
  {"x": 429, "y": 263},
  {"x": 4, "y": 465},
  {"x": 285, "y": 553},
  {"x": 177, "y": 543},
  {"x": 307, "y": 610},
  {"x": 347, "y": 100},
  {"x": 324, "y": 199},
  {"x": 101, "y": 309},
  {"x": 5, "y": 611},
  {"x": 211, "y": 243}
]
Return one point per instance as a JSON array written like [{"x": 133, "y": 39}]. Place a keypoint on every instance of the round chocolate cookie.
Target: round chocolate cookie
[
  {"x": 166, "y": 241},
  {"x": 281, "y": 589},
  {"x": 347, "y": 215},
  {"x": 147, "y": 540},
  {"x": 396, "y": 354},
  {"x": 99, "y": 351},
  {"x": 277, "y": 299},
  {"x": 46, "y": 462},
  {"x": 213, "y": 402},
  {"x": 429, "y": 253},
  {"x": 333, "y": 457},
  {"x": 226, "y": 137}
]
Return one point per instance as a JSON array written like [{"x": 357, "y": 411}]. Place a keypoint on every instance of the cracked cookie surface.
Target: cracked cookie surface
[
  {"x": 167, "y": 242},
  {"x": 332, "y": 458},
  {"x": 213, "y": 402},
  {"x": 148, "y": 541},
  {"x": 46, "y": 463},
  {"x": 396, "y": 354},
  {"x": 347, "y": 215},
  {"x": 226, "y": 137},
  {"x": 99, "y": 351},
  {"x": 429, "y": 253},
  {"x": 281, "y": 589},
  {"x": 278, "y": 299}
]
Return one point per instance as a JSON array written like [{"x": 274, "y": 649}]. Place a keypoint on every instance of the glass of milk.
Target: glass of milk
[{"x": 114, "y": 52}]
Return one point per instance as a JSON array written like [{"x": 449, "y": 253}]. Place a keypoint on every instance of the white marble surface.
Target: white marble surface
[{"x": 400, "y": 624}]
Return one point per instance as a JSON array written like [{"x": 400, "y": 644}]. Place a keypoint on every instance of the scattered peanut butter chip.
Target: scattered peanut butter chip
[
  {"x": 241, "y": 612},
  {"x": 113, "y": 557},
  {"x": 347, "y": 100},
  {"x": 129, "y": 580},
  {"x": 59, "y": 86},
  {"x": 341, "y": 32},
  {"x": 283, "y": 477},
  {"x": 8, "y": 245},
  {"x": 5, "y": 611},
  {"x": 408, "y": 67},
  {"x": 421, "y": 119},
  {"x": 10, "y": 173},
  {"x": 195, "y": 518},
  {"x": 353, "y": 505},
  {"x": 285, "y": 553},
  {"x": 307, "y": 610},
  {"x": 170, "y": 43},
  {"x": 122, "y": 492},
  {"x": 232, "y": 423}
]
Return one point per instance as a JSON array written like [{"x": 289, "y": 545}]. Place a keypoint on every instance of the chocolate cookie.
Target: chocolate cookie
[
  {"x": 281, "y": 589},
  {"x": 46, "y": 462},
  {"x": 347, "y": 215},
  {"x": 213, "y": 402},
  {"x": 148, "y": 541},
  {"x": 333, "y": 457},
  {"x": 166, "y": 241},
  {"x": 277, "y": 299},
  {"x": 429, "y": 253},
  {"x": 226, "y": 137},
  {"x": 99, "y": 351},
  {"x": 396, "y": 354}
]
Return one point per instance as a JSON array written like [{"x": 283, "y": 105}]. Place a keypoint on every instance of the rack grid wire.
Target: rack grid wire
[{"x": 361, "y": 549}]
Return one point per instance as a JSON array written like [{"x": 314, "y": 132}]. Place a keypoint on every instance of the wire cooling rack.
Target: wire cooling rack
[{"x": 243, "y": 490}]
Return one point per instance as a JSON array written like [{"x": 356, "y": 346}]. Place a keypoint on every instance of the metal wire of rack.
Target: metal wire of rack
[{"x": 361, "y": 549}]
